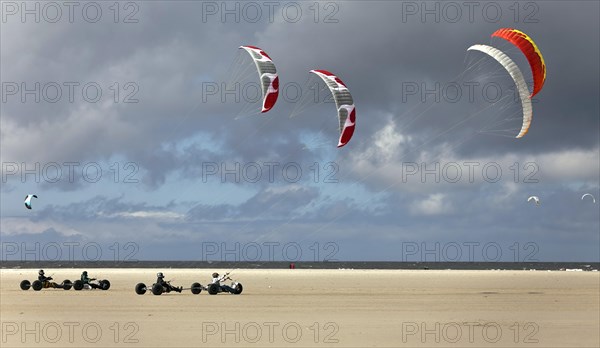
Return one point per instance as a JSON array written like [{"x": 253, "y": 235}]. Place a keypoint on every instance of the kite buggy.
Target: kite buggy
[
  {"x": 215, "y": 287},
  {"x": 161, "y": 286},
  {"x": 90, "y": 283},
  {"x": 44, "y": 282}
]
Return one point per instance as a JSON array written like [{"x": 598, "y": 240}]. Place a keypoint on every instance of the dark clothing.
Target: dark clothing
[
  {"x": 42, "y": 278},
  {"x": 227, "y": 288},
  {"x": 166, "y": 285}
]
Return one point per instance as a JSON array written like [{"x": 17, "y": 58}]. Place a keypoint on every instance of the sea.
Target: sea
[{"x": 383, "y": 265}]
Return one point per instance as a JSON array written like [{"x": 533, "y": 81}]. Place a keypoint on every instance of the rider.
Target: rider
[
  {"x": 42, "y": 278},
  {"x": 86, "y": 280},
  {"x": 161, "y": 280},
  {"x": 46, "y": 280},
  {"x": 217, "y": 280}
]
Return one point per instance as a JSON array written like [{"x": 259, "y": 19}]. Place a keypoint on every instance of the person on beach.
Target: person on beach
[
  {"x": 161, "y": 280},
  {"x": 47, "y": 281},
  {"x": 217, "y": 280},
  {"x": 42, "y": 277},
  {"x": 86, "y": 280}
]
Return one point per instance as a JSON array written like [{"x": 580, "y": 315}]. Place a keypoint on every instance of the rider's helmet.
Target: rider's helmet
[
  {"x": 160, "y": 275},
  {"x": 41, "y": 272},
  {"x": 84, "y": 272},
  {"x": 215, "y": 275}
]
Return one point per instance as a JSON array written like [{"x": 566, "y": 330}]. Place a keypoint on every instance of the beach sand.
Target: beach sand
[{"x": 309, "y": 308}]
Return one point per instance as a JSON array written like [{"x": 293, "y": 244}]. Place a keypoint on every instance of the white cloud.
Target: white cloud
[
  {"x": 388, "y": 141},
  {"x": 150, "y": 215},
  {"x": 451, "y": 171},
  {"x": 570, "y": 165},
  {"x": 434, "y": 205},
  {"x": 18, "y": 225}
]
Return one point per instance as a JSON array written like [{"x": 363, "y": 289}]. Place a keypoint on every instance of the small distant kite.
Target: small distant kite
[
  {"x": 28, "y": 200},
  {"x": 589, "y": 194},
  {"x": 536, "y": 199}
]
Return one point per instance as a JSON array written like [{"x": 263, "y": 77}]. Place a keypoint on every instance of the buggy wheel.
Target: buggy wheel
[
  {"x": 140, "y": 288},
  {"x": 66, "y": 284},
  {"x": 25, "y": 285},
  {"x": 37, "y": 285},
  {"x": 104, "y": 284},
  {"x": 157, "y": 289},
  {"x": 213, "y": 289},
  {"x": 78, "y": 285},
  {"x": 238, "y": 289},
  {"x": 196, "y": 288}
]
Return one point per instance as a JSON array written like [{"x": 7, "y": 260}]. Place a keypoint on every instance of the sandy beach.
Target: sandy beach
[{"x": 309, "y": 308}]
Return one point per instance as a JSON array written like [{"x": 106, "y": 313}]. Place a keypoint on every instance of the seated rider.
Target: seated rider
[
  {"x": 86, "y": 280},
  {"x": 46, "y": 280},
  {"x": 42, "y": 278},
  {"x": 161, "y": 280},
  {"x": 217, "y": 280}
]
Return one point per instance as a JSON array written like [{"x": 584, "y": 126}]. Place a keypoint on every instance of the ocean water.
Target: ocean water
[{"x": 220, "y": 265}]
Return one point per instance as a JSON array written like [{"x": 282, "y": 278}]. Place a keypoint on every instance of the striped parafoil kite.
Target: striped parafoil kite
[
  {"x": 531, "y": 52},
  {"x": 267, "y": 74},
  {"x": 343, "y": 102},
  {"x": 589, "y": 194},
  {"x": 517, "y": 77}
]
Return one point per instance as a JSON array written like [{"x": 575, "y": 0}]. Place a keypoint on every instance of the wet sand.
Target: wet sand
[{"x": 309, "y": 308}]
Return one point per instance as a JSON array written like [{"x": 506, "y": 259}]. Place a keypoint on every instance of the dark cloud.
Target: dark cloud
[
  {"x": 175, "y": 129},
  {"x": 271, "y": 203}
]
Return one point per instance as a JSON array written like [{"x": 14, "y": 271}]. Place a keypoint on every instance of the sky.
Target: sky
[{"x": 138, "y": 127}]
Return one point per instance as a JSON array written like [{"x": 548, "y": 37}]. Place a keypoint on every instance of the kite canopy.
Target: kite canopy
[
  {"x": 531, "y": 52},
  {"x": 517, "y": 77},
  {"x": 267, "y": 74},
  {"x": 536, "y": 199},
  {"x": 343, "y": 102},
  {"x": 28, "y": 201},
  {"x": 589, "y": 194}
]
